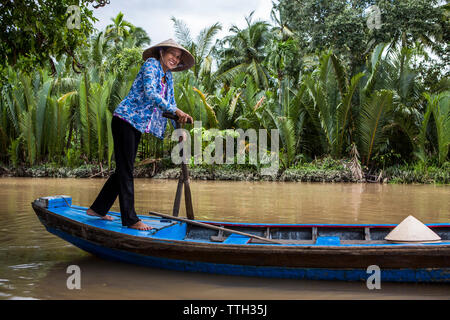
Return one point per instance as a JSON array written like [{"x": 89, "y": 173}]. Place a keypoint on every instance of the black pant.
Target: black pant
[{"x": 126, "y": 142}]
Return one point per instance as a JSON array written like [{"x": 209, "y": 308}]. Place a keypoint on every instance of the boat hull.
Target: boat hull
[{"x": 401, "y": 263}]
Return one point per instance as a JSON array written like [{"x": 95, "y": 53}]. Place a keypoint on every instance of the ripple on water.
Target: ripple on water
[
  {"x": 22, "y": 298},
  {"x": 26, "y": 266}
]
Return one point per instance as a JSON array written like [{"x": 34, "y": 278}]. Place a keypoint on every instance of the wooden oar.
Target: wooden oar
[
  {"x": 183, "y": 180},
  {"x": 210, "y": 226}
]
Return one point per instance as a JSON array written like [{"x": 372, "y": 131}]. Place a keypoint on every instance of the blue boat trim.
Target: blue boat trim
[
  {"x": 178, "y": 231},
  {"x": 328, "y": 241},
  {"x": 236, "y": 239}
]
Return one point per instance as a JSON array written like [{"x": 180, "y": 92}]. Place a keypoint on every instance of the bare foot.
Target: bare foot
[
  {"x": 140, "y": 226},
  {"x": 91, "y": 212}
]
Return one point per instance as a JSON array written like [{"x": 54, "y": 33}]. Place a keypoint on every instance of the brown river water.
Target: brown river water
[{"x": 33, "y": 262}]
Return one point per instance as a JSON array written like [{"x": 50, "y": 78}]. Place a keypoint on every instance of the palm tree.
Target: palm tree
[
  {"x": 100, "y": 117},
  {"x": 244, "y": 52},
  {"x": 287, "y": 115},
  {"x": 221, "y": 108},
  {"x": 376, "y": 113},
  {"x": 283, "y": 48},
  {"x": 25, "y": 100},
  {"x": 393, "y": 85},
  {"x": 58, "y": 119},
  {"x": 119, "y": 29},
  {"x": 330, "y": 102},
  {"x": 439, "y": 106},
  {"x": 140, "y": 37},
  {"x": 201, "y": 48}
]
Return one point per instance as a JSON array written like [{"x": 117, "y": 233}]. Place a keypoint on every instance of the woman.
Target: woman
[{"x": 141, "y": 111}]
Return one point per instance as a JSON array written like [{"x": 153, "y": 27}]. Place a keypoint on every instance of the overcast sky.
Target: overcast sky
[{"x": 154, "y": 16}]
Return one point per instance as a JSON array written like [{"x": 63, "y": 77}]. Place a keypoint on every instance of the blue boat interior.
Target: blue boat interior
[{"x": 289, "y": 234}]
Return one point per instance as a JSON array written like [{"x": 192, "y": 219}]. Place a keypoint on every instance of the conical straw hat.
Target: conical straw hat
[
  {"x": 412, "y": 230},
  {"x": 187, "y": 60}
]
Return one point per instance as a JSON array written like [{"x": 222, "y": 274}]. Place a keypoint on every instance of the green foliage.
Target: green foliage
[
  {"x": 13, "y": 152},
  {"x": 126, "y": 59},
  {"x": 439, "y": 104},
  {"x": 120, "y": 29},
  {"x": 330, "y": 106},
  {"x": 374, "y": 116},
  {"x": 200, "y": 48},
  {"x": 377, "y": 100},
  {"x": 282, "y": 57},
  {"x": 418, "y": 173},
  {"x": 243, "y": 51},
  {"x": 342, "y": 25},
  {"x": 73, "y": 158},
  {"x": 31, "y": 41}
]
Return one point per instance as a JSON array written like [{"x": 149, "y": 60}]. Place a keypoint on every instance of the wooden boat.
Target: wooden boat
[{"x": 300, "y": 251}]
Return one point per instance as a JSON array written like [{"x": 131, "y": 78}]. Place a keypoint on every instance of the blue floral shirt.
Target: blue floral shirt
[{"x": 148, "y": 99}]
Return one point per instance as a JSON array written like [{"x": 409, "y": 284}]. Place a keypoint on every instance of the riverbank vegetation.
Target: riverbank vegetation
[{"x": 351, "y": 102}]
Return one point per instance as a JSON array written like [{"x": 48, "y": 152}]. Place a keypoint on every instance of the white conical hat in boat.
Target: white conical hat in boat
[{"x": 412, "y": 230}]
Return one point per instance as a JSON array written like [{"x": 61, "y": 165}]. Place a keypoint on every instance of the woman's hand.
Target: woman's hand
[{"x": 183, "y": 117}]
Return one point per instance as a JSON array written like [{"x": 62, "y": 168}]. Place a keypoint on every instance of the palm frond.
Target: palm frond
[
  {"x": 441, "y": 115},
  {"x": 374, "y": 114},
  {"x": 344, "y": 111},
  {"x": 110, "y": 140},
  {"x": 182, "y": 33},
  {"x": 286, "y": 128},
  {"x": 27, "y": 133},
  {"x": 233, "y": 105},
  {"x": 230, "y": 74},
  {"x": 340, "y": 74},
  {"x": 212, "y": 119},
  {"x": 41, "y": 106},
  {"x": 205, "y": 38},
  {"x": 374, "y": 66},
  {"x": 83, "y": 94}
]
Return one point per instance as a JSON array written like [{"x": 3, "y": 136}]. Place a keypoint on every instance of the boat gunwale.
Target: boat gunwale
[
  {"x": 403, "y": 248},
  {"x": 293, "y": 225}
]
